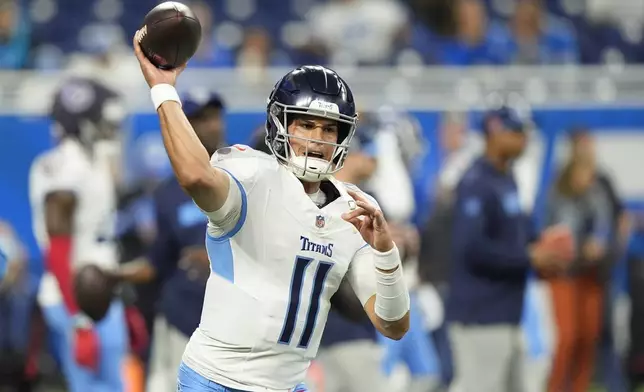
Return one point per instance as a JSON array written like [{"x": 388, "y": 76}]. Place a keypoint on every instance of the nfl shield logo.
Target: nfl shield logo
[{"x": 319, "y": 221}]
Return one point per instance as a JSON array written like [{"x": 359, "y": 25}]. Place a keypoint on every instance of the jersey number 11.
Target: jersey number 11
[{"x": 301, "y": 264}]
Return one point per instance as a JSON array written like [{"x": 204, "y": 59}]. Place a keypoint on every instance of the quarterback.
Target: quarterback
[{"x": 282, "y": 234}]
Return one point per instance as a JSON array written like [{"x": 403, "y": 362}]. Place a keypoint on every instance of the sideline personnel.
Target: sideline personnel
[{"x": 493, "y": 252}]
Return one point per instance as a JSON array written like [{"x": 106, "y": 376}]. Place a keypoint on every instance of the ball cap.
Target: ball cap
[
  {"x": 194, "y": 102},
  {"x": 510, "y": 118}
]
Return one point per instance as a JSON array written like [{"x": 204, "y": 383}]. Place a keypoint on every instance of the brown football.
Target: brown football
[{"x": 170, "y": 35}]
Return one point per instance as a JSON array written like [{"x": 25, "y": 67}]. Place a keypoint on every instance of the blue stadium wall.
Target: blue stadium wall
[{"x": 22, "y": 138}]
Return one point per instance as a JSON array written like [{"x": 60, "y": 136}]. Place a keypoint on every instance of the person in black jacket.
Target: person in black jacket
[{"x": 493, "y": 251}]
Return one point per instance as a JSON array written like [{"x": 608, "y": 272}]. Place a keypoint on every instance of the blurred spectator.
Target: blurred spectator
[
  {"x": 105, "y": 56},
  {"x": 538, "y": 38},
  {"x": 349, "y": 354},
  {"x": 360, "y": 165},
  {"x": 14, "y": 35},
  {"x": 258, "y": 141},
  {"x": 475, "y": 39},
  {"x": 13, "y": 265},
  {"x": 177, "y": 259},
  {"x": 583, "y": 147},
  {"x": 459, "y": 147},
  {"x": 212, "y": 52},
  {"x": 436, "y": 15},
  {"x": 391, "y": 182},
  {"x": 394, "y": 139},
  {"x": 636, "y": 292},
  {"x": 17, "y": 300},
  {"x": 582, "y": 206},
  {"x": 456, "y": 154},
  {"x": 416, "y": 350},
  {"x": 357, "y": 31},
  {"x": 257, "y": 53},
  {"x": 435, "y": 244},
  {"x": 493, "y": 250},
  {"x": 148, "y": 166}
]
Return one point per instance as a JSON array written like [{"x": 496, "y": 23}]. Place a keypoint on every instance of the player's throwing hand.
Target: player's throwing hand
[
  {"x": 151, "y": 73},
  {"x": 371, "y": 224}
]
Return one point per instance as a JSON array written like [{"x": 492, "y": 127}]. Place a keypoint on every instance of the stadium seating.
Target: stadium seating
[{"x": 61, "y": 27}]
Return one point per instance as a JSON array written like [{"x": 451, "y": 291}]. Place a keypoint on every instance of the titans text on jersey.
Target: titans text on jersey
[{"x": 324, "y": 249}]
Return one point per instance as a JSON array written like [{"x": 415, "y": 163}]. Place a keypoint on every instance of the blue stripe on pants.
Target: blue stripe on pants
[
  {"x": 191, "y": 381},
  {"x": 113, "y": 346}
]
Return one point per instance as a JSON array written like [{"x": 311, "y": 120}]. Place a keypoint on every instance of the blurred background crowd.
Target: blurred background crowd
[
  {"x": 48, "y": 34},
  {"x": 432, "y": 78}
]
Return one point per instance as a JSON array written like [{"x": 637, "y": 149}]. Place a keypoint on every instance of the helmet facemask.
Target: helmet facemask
[{"x": 305, "y": 167}]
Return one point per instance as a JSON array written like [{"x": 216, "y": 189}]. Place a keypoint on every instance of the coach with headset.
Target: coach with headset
[{"x": 494, "y": 250}]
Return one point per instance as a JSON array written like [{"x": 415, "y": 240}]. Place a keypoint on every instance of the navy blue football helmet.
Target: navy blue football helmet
[
  {"x": 86, "y": 110},
  {"x": 312, "y": 91}
]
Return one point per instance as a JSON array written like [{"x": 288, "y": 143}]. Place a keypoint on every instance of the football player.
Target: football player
[
  {"x": 282, "y": 234},
  {"x": 72, "y": 194}
]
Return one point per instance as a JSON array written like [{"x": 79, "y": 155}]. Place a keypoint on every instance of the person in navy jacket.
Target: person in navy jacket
[
  {"x": 177, "y": 259},
  {"x": 494, "y": 249}
]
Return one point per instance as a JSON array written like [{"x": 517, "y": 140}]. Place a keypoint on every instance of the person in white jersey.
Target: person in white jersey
[
  {"x": 72, "y": 195},
  {"x": 281, "y": 236}
]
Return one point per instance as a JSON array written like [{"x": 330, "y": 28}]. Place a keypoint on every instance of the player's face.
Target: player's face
[{"x": 308, "y": 131}]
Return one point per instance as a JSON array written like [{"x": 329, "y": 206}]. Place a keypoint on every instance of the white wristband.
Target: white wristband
[
  {"x": 392, "y": 295},
  {"x": 386, "y": 261},
  {"x": 161, "y": 93}
]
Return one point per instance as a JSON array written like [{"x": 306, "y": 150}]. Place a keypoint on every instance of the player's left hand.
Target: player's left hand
[{"x": 371, "y": 224}]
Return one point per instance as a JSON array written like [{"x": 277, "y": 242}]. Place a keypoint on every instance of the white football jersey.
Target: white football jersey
[
  {"x": 68, "y": 167},
  {"x": 267, "y": 298}
]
